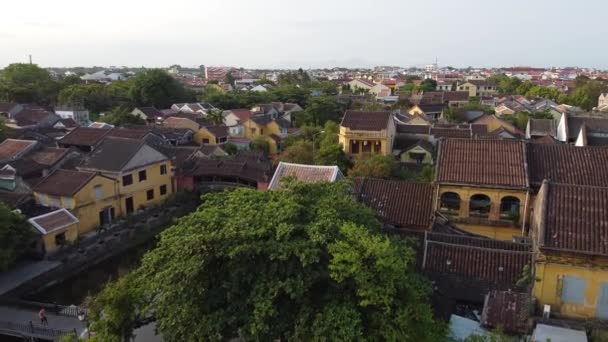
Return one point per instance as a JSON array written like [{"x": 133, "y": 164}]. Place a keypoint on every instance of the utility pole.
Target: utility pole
[{"x": 30, "y": 56}]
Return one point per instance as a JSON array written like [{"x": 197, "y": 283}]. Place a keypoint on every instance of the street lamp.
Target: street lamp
[{"x": 313, "y": 142}]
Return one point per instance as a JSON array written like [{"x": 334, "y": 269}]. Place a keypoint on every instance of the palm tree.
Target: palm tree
[{"x": 215, "y": 116}]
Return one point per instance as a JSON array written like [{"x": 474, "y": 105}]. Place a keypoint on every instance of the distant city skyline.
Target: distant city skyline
[{"x": 313, "y": 34}]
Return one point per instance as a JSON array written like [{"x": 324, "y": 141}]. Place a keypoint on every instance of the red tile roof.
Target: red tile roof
[
  {"x": 304, "y": 173},
  {"x": 84, "y": 136},
  {"x": 398, "y": 203},
  {"x": 507, "y": 309},
  {"x": 499, "y": 163},
  {"x": 14, "y": 148},
  {"x": 366, "y": 121},
  {"x": 64, "y": 182},
  {"x": 567, "y": 164},
  {"x": 575, "y": 218},
  {"x": 441, "y": 132},
  {"x": 49, "y": 155},
  {"x": 53, "y": 221}
]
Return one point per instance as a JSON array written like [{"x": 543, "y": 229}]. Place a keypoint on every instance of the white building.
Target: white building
[{"x": 81, "y": 116}]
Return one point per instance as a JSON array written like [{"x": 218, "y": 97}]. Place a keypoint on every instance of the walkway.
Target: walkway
[{"x": 22, "y": 321}]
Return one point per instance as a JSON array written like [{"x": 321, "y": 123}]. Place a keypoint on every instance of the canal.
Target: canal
[{"x": 75, "y": 290}]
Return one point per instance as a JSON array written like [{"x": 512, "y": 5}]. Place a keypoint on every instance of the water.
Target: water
[{"x": 75, "y": 290}]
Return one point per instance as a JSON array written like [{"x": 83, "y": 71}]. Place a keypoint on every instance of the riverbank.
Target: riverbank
[{"x": 131, "y": 233}]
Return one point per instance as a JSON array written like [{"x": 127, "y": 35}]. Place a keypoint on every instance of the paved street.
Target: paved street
[{"x": 24, "y": 316}]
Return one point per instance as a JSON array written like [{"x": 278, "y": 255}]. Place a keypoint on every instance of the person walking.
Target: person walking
[{"x": 42, "y": 316}]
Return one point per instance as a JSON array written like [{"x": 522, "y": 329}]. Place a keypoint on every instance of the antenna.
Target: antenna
[{"x": 30, "y": 56}]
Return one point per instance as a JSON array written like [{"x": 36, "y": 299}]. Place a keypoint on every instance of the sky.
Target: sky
[{"x": 305, "y": 33}]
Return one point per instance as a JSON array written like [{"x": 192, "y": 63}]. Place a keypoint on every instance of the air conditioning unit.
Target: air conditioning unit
[{"x": 546, "y": 311}]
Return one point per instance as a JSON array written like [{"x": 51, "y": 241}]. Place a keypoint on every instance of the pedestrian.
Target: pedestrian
[{"x": 42, "y": 316}]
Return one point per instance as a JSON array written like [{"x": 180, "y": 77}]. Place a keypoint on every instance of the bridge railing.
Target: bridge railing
[
  {"x": 62, "y": 310},
  {"x": 32, "y": 330}
]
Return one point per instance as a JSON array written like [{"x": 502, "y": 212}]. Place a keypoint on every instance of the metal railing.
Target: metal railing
[
  {"x": 60, "y": 310},
  {"x": 32, "y": 330}
]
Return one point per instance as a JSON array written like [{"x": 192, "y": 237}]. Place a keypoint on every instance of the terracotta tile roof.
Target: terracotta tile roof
[
  {"x": 482, "y": 162},
  {"x": 304, "y": 173},
  {"x": 575, "y": 218},
  {"x": 174, "y": 121},
  {"x": 49, "y": 155},
  {"x": 413, "y": 129},
  {"x": 592, "y": 124},
  {"x": 440, "y": 132},
  {"x": 54, "y": 221},
  {"x": 137, "y": 133},
  {"x": 366, "y": 121},
  {"x": 476, "y": 259},
  {"x": 237, "y": 167},
  {"x": 84, "y": 136},
  {"x": 218, "y": 131},
  {"x": 242, "y": 114},
  {"x": 150, "y": 112},
  {"x": 398, "y": 203},
  {"x": 13, "y": 148},
  {"x": 455, "y": 96},
  {"x": 567, "y": 164},
  {"x": 64, "y": 182},
  {"x": 508, "y": 310}
]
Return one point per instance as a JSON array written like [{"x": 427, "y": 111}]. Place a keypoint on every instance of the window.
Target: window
[
  {"x": 479, "y": 206},
  {"x": 98, "y": 192},
  {"x": 449, "y": 203},
  {"x": 163, "y": 169},
  {"x": 377, "y": 146},
  {"x": 67, "y": 202},
  {"x": 261, "y": 131},
  {"x": 509, "y": 208},
  {"x": 355, "y": 148},
  {"x": 573, "y": 290},
  {"x": 367, "y": 147},
  {"x": 221, "y": 140},
  {"x": 60, "y": 239},
  {"x": 417, "y": 157},
  {"x": 127, "y": 180},
  {"x": 142, "y": 175},
  {"x": 163, "y": 190},
  {"x": 150, "y": 194},
  {"x": 253, "y": 130},
  {"x": 205, "y": 141}
]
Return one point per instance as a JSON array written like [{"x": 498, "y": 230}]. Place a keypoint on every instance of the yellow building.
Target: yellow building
[
  {"x": 412, "y": 151},
  {"x": 143, "y": 174},
  {"x": 478, "y": 88},
  {"x": 569, "y": 227},
  {"x": 57, "y": 228},
  {"x": 178, "y": 122},
  {"x": 367, "y": 133},
  {"x": 483, "y": 186},
  {"x": 495, "y": 124},
  {"x": 211, "y": 135},
  {"x": 91, "y": 197},
  {"x": 273, "y": 130}
]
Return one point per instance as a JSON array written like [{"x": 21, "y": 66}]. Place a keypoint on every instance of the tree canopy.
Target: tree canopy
[
  {"x": 156, "y": 88},
  {"x": 307, "y": 263},
  {"x": 27, "y": 83},
  {"x": 375, "y": 165},
  {"x": 15, "y": 236}
]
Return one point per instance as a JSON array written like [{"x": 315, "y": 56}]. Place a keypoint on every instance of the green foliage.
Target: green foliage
[
  {"x": 586, "y": 93},
  {"x": 374, "y": 165},
  {"x": 215, "y": 116},
  {"x": 320, "y": 109},
  {"x": 231, "y": 149},
  {"x": 520, "y": 119},
  {"x": 428, "y": 85},
  {"x": 299, "y": 77},
  {"x": 2, "y": 130},
  {"x": 425, "y": 175},
  {"x": 121, "y": 116},
  {"x": 306, "y": 263},
  {"x": 15, "y": 236},
  {"x": 506, "y": 85},
  {"x": 260, "y": 144},
  {"x": 95, "y": 97},
  {"x": 27, "y": 83},
  {"x": 494, "y": 336},
  {"x": 114, "y": 311},
  {"x": 299, "y": 152},
  {"x": 450, "y": 113},
  {"x": 156, "y": 88}
]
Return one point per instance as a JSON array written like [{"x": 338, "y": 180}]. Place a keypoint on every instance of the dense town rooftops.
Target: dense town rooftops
[
  {"x": 114, "y": 155},
  {"x": 366, "y": 121},
  {"x": 397, "y": 203},
  {"x": 85, "y": 136},
  {"x": 500, "y": 163},
  {"x": 14, "y": 148}
]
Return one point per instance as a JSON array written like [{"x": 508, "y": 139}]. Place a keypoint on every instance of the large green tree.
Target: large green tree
[
  {"x": 305, "y": 263},
  {"x": 15, "y": 236},
  {"x": 376, "y": 165},
  {"x": 155, "y": 87},
  {"x": 27, "y": 83},
  {"x": 300, "y": 152}
]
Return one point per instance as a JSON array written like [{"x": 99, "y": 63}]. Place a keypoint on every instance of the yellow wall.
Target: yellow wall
[
  {"x": 503, "y": 230},
  {"x": 203, "y": 133},
  {"x": 265, "y": 131},
  {"x": 405, "y": 157},
  {"x": 385, "y": 137},
  {"x": 548, "y": 286},
  {"x": 138, "y": 189},
  {"x": 84, "y": 204},
  {"x": 184, "y": 123},
  {"x": 71, "y": 234},
  {"x": 415, "y": 111},
  {"x": 472, "y": 89}
]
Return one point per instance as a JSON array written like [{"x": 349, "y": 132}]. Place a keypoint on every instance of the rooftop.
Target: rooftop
[
  {"x": 64, "y": 182},
  {"x": 304, "y": 173},
  {"x": 53, "y": 221},
  {"x": 366, "y": 121}
]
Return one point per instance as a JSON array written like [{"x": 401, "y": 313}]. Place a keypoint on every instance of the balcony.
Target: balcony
[{"x": 365, "y": 135}]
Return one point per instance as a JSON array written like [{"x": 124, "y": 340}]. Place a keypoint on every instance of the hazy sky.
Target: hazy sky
[{"x": 306, "y": 33}]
